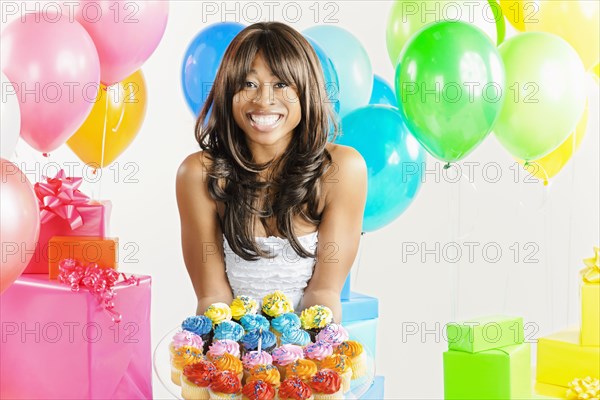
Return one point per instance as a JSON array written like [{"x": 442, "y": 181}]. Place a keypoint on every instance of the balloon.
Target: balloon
[
  {"x": 202, "y": 59},
  {"x": 408, "y": 16},
  {"x": 517, "y": 11},
  {"x": 546, "y": 83},
  {"x": 332, "y": 84},
  {"x": 382, "y": 92},
  {"x": 20, "y": 228},
  {"x": 395, "y": 161},
  {"x": 596, "y": 70},
  {"x": 11, "y": 118},
  {"x": 54, "y": 64},
  {"x": 450, "y": 84},
  {"x": 351, "y": 62},
  {"x": 551, "y": 164},
  {"x": 125, "y": 33},
  {"x": 576, "y": 21},
  {"x": 124, "y": 117}
]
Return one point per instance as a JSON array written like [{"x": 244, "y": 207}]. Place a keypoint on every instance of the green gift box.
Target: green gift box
[
  {"x": 485, "y": 333},
  {"x": 502, "y": 373}
]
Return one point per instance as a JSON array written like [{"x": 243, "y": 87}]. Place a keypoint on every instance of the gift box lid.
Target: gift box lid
[
  {"x": 485, "y": 333},
  {"x": 359, "y": 307}
]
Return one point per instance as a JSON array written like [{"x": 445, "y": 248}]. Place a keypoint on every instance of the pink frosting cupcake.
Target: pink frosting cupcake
[
  {"x": 318, "y": 351},
  {"x": 255, "y": 357},
  {"x": 220, "y": 347},
  {"x": 333, "y": 334},
  {"x": 185, "y": 338},
  {"x": 286, "y": 354}
]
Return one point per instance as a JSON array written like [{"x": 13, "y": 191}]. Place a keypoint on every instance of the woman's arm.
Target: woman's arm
[
  {"x": 339, "y": 229},
  {"x": 201, "y": 235}
]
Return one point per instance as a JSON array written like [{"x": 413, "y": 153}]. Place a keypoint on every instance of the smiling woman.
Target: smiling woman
[{"x": 267, "y": 182}]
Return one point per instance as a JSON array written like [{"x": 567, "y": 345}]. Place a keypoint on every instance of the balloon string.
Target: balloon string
[
  {"x": 571, "y": 205},
  {"x": 549, "y": 286},
  {"x": 103, "y": 144},
  {"x": 454, "y": 209},
  {"x": 358, "y": 258}
]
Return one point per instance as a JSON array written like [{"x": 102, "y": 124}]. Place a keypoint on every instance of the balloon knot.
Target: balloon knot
[
  {"x": 447, "y": 165},
  {"x": 94, "y": 171},
  {"x": 46, "y": 154},
  {"x": 526, "y": 164}
]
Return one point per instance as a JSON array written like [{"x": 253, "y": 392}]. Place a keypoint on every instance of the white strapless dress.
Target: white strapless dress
[{"x": 287, "y": 272}]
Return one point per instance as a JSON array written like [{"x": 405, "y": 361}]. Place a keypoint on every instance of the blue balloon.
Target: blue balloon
[
  {"x": 202, "y": 60},
  {"x": 382, "y": 92},
  {"x": 332, "y": 84},
  {"x": 395, "y": 161}
]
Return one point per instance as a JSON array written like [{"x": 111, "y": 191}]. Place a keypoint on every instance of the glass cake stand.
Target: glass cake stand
[{"x": 162, "y": 369}]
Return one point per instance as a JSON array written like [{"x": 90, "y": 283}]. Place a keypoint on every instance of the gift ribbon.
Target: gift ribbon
[
  {"x": 99, "y": 281},
  {"x": 591, "y": 272},
  {"x": 580, "y": 389},
  {"x": 60, "y": 196}
]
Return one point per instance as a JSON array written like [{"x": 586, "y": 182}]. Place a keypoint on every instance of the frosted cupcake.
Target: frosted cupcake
[
  {"x": 284, "y": 323},
  {"x": 286, "y": 354},
  {"x": 301, "y": 368},
  {"x": 201, "y": 326},
  {"x": 243, "y": 305},
  {"x": 327, "y": 385},
  {"x": 195, "y": 380},
  {"x": 357, "y": 355},
  {"x": 220, "y": 347},
  {"x": 335, "y": 334},
  {"x": 294, "y": 389},
  {"x": 218, "y": 312},
  {"x": 183, "y": 356},
  {"x": 229, "y": 330},
  {"x": 298, "y": 337},
  {"x": 315, "y": 318},
  {"x": 258, "y": 390},
  {"x": 255, "y": 322},
  {"x": 340, "y": 364},
  {"x": 275, "y": 304},
  {"x": 318, "y": 351},
  {"x": 253, "y": 358},
  {"x": 185, "y": 338},
  {"x": 225, "y": 385},
  {"x": 250, "y": 341},
  {"x": 228, "y": 362},
  {"x": 265, "y": 372}
]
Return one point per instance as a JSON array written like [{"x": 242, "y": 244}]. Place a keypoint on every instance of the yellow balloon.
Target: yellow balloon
[
  {"x": 551, "y": 164},
  {"x": 122, "y": 108},
  {"x": 576, "y": 21},
  {"x": 596, "y": 70},
  {"x": 516, "y": 11}
]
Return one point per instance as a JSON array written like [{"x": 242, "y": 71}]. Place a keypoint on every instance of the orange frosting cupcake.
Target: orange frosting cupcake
[
  {"x": 229, "y": 362},
  {"x": 186, "y": 355},
  {"x": 337, "y": 362},
  {"x": 268, "y": 373},
  {"x": 302, "y": 368},
  {"x": 349, "y": 348}
]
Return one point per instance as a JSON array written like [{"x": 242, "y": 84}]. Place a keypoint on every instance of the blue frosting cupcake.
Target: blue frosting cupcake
[
  {"x": 254, "y": 322},
  {"x": 286, "y": 322},
  {"x": 200, "y": 325},
  {"x": 296, "y": 336},
  {"x": 250, "y": 341},
  {"x": 229, "y": 330}
]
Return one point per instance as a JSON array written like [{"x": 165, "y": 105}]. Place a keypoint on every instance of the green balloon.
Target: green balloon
[
  {"x": 545, "y": 82},
  {"x": 450, "y": 83}
]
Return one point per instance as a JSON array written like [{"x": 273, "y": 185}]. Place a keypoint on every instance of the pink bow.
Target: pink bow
[
  {"x": 99, "y": 281},
  {"x": 60, "y": 196}
]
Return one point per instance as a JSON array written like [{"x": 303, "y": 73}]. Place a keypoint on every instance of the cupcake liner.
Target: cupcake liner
[
  {"x": 176, "y": 375},
  {"x": 281, "y": 369},
  {"x": 191, "y": 391},
  {"x": 339, "y": 395},
  {"x": 359, "y": 366},
  {"x": 346, "y": 380},
  {"x": 224, "y": 396}
]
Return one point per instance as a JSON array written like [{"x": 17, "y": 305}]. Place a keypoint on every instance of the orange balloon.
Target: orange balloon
[{"x": 113, "y": 123}]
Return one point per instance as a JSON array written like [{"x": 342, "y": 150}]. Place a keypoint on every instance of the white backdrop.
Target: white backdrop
[{"x": 527, "y": 240}]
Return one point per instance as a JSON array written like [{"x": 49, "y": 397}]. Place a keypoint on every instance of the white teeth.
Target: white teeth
[{"x": 265, "y": 119}]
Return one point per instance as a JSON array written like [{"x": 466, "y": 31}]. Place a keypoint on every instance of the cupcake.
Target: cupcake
[
  {"x": 195, "y": 380},
  {"x": 249, "y": 360},
  {"x": 218, "y": 312},
  {"x": 183, "y": 356},
  {"x": 318, "y": 351},
  {"x": 294, "y": 389},
  {"x": 340, "y": 364},
  {"x": 286, "y": 354},
  {"x": 255, "y": 322},
  {"x": 265, "y": 372},
  {"x": 228, "y": 330},
  {"x": 250, "y": 341},
  {"x": 258, "y": 390},
  {"x": 225, "y": 385},
  {"x": 220, "y": 347},
  {"x": 315, "y": 318},
  {"x": 334, "y": 334},
  {"x": 185, "y": 338},
  {"x": 301, "y": 368},
  {"x": 243, "y": 305},
  {"x": 295, "y": 336},
  {"x": 357, "y": 355},
  {"x": 327, "y": 385},
  {"x": 284, "y": 323},
  {"x": 201, "y": 326},
  {"x": 228, "y": 362},
  {"x": 275, "y": 304}
]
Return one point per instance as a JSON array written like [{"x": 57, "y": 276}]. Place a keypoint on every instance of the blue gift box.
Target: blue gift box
[
  {"x": 359, "y": 316},
  {"x": 376, "y": 390}
]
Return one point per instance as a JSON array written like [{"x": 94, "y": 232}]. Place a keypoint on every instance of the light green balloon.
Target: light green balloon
[{"x": 545, "y": 83}]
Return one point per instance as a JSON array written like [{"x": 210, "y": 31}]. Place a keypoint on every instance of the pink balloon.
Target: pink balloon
[
  {"x": 126, "y": 33},
  {"x": 55, "y": 68},
  {"x": 20, "y": 227}
]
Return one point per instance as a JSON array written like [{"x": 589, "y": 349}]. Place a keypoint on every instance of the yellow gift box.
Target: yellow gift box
[
  {"x": 561, "y": 358},
  {"x": 590, "y": 301}
]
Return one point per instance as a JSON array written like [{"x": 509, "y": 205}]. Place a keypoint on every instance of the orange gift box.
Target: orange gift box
[{"x": 96, "y": 249}]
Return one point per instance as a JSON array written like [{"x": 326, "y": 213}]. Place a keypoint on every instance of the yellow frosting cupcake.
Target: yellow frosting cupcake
[
  {"x": 243, "y": 305},
  {"x": 218, "y": 312},
  {"x": 316, "y": 317},
  {"x": 276, "y": 303}
]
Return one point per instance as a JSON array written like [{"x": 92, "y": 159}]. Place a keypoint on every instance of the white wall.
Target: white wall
[{"x": 558, "y": 224}]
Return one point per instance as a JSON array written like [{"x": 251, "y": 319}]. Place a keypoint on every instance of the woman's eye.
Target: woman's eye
[
  {"x": 249, "y": 84},
  {"x": 281, "y": 85}
]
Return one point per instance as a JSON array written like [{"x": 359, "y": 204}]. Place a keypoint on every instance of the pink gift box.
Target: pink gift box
[{"x": 61, "y": 344}]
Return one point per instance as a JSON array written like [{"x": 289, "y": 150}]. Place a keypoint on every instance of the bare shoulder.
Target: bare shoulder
[
  {"x": 348, "y": 173},
  {"x": 193, "y": 167},
  {"x": 191, "y": 182}
]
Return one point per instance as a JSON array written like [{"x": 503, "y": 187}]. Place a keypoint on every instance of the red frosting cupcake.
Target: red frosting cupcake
[
  {"x": 225, "y": 384},
  {"x": 196, "y": 378},
  {"x": 327, "y": 384},
  {"x": 294, "y": 389},
  {"x": 258, "y": 390}
]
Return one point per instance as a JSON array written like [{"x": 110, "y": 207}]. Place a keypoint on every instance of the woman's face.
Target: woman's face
[{"x": 266, "y": 109}]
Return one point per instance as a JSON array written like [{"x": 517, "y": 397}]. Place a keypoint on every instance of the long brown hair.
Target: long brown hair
[{"x": 233, "y": 178}]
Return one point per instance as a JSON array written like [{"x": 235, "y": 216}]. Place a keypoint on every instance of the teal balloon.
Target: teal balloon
[
  {"x": 332, "y": 84},
  {"x": 450, "y": 86},
  {"x": 382, "y": 93},
  {"x": 395, "y": 161},
  {"x": 351, "y": 61}
]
